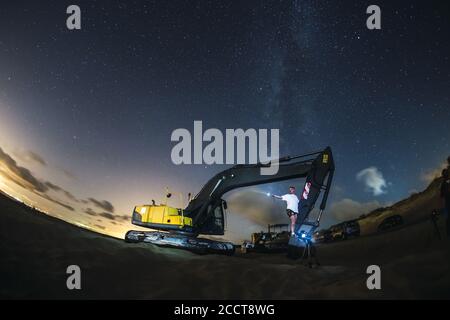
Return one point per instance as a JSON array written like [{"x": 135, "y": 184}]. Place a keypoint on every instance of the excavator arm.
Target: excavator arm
[{"x": 317, "y": 168}]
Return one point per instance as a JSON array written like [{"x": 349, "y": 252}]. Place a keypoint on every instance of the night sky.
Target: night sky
[{"x": 86, "y": 115}]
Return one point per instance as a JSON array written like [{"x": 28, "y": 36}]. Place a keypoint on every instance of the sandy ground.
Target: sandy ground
[{"x": 36, "y": 249}]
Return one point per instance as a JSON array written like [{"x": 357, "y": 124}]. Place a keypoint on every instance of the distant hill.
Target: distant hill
[{"x": 417, "y": 207}]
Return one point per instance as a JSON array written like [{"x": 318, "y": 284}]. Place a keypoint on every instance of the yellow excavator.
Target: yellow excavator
[{"x": 205, "y": 213}]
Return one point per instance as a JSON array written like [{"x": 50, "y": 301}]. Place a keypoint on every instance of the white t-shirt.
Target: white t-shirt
[{"x": 292, "y": 202}]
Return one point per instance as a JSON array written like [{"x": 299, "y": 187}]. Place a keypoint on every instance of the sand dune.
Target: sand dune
[{"x": 36, "y": 250}]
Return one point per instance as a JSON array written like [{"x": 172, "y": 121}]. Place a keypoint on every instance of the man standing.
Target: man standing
[
  {"x": 445, "y": 195},
  {"x": 292, "y": 206}
]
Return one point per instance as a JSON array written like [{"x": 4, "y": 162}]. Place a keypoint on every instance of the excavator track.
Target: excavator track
[{"x": 181, "y": 241}]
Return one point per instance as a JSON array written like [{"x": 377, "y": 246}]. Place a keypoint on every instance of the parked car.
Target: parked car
[
  {"x": 390, "y": 222},
  {"x": 322, "y": 236},
  {"x": 352, "y": 229},
  {"x": 338, "y": 232}
]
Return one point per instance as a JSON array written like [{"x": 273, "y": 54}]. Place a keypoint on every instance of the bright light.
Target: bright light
[
  {"x": 82, "y": 225},
  {"x": 268, "y": 194}
]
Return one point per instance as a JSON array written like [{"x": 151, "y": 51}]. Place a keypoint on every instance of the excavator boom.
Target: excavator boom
[{"x": 317, "y": 168}]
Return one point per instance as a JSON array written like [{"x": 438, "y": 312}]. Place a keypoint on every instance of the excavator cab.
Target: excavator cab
[{"x": 214, "y": 223}]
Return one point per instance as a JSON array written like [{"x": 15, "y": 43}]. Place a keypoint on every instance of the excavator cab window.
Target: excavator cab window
[
  {"x": 219, "y": 217},
  {"x": 215, "y": 221}
]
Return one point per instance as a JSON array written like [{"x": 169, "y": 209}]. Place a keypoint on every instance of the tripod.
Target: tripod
[
  {"x": 309, "y": 254},
  {"x": 434, "y": 219}
]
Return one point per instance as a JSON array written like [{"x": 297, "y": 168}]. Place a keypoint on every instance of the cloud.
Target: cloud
[
  {"x": 102, "y": 204},
  {"x": 249, "y": 211},
  {"x": 62, "y": 204},
  {"x": 348, "y": 209},
  {"x": 69, "y": 174},
  {"x": 31, "y": 157},
  {"x": 113, "y": 217},
  {"x": 24, "y": 178},
  {"x": 257, "y": 207},
  {"x": 99, "y": 226},
  {"x": 60, "y": 189},
  {"x": 53, "y": 186},
  {"x": 373, "y": 180},
  {"x": 431, "y": 174},
  {"x": 91, "y": 212},
  {"x": 107, "y": 215},
  {"x": 20, "y": 175}
]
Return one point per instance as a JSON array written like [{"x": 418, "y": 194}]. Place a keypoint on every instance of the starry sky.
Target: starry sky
[{"x": 86, "y": 115}]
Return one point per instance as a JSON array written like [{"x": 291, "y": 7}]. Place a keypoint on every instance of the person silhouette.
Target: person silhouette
[
  {"x": 292, "y": 206},
  {"x": 445, "y": 196}
]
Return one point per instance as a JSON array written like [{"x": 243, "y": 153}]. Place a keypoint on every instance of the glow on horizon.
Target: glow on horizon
[
  {"x": 6, "y": 188},
  {"x": 38, "y": 204}
]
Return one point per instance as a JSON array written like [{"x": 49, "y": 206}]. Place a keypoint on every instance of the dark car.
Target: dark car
[
  {"x": 338, "y": 232},
  {"x": 390, "y": 222},
  {"x": 352, "y": 229},
  {"x": 322, "y": 236}
]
